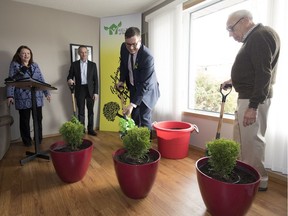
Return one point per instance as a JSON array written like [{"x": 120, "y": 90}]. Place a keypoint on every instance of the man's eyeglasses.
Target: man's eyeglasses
[
  {"x": 231, "y": 28},
  {"x": 134, "y": 45}
]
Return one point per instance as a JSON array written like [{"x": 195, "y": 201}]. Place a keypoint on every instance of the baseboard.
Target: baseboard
[
  {"x": 277, "y": 177},
  {"x": 45, "y": 136}
]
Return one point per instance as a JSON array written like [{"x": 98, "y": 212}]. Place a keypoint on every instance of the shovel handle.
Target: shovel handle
[
  {"x": 224, "y": 96},
  {"x": 72, "y": 88},
  {"x": 121, "y": 92},
  {"x": 74, "y": 104},
  {"x": 122, "y": 116},
  {"x": 222, "y": 107}
]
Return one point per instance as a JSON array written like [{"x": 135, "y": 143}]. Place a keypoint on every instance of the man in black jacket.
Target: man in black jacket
[{"x": 83, "y": 74}]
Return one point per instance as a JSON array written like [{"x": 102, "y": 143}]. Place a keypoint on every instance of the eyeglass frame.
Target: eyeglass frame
[
  {"x": 231, "y": 28},
  {"x": 133, "y": 44}
]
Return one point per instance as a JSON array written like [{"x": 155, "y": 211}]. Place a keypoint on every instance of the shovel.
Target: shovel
[
  {"x": 224, "y": 96},
  {"x": 229, "y": 86},
  {"x": 121, "y": 92},
  {"x": 72, "y": 89}
]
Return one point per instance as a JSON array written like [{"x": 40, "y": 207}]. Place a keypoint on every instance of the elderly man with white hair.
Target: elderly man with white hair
[{"x": 252, "y": 76}]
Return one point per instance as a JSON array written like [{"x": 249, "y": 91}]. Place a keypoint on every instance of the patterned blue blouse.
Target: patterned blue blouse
[{"x": 22, "y": 97}]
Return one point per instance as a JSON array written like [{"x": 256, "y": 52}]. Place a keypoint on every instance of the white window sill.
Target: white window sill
[{"x": 209, "y": 115}]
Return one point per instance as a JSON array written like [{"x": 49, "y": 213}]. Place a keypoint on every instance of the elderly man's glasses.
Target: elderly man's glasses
[{"x": 231, "y": 28}]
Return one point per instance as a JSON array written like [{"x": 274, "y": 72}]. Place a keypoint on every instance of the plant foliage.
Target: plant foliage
[
  {"x": 223, "y": 155},
  {"x": 208, "y": 97},
  {"x": 73, "y": 132},
  {"x": 125, "y": 125},
  {"x": 137, "y": 142}
]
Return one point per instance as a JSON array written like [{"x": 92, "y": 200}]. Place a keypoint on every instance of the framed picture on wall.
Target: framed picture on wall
[{"x": 74, "y": 52}]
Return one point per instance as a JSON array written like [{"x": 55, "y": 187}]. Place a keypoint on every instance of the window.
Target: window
[
  {"x": 165, "y": 42},
  {"x": 211, "y": 55}
]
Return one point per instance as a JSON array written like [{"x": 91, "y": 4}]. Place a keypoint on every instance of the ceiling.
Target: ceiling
[{"x": 97, "y": 8}]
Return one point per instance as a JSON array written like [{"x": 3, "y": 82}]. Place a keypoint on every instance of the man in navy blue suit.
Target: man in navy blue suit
[
  {"x": 137, "y": 71},
  {"x": 86, "y": 86}
]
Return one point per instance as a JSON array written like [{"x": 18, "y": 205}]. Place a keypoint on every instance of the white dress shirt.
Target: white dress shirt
[{"x": 83, "y": 69}]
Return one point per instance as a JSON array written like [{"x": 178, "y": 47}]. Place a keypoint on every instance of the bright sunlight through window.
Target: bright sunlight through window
[{"x": 212, "y": 53}]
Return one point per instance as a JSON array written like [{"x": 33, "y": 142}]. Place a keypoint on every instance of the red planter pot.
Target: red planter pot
[
  {"x": 136, "y": 181},
  {"x": 223, "y": 198},
  {"x": 71, "y": 166},
  {"x": 174, "y": 138}
]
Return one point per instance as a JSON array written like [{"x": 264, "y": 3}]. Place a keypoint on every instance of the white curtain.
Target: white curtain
[
  {"x": 166, "y": 36},
  {"x": 277, "y": 131}
]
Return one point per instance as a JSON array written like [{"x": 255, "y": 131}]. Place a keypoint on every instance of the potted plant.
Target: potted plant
[
  {"x": 136, "y": 163},
  {"x": 72, "y": 156},
  {"x": 227, "y": 185}
]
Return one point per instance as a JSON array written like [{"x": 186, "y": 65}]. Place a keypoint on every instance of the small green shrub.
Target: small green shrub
[
  {"x": 223, "y": 155},
  {"x": 137, "y": 142},
  {"x": 73, "y": 132}
]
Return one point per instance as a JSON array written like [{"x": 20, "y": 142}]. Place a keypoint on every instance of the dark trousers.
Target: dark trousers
[
  {"x": 83, "y": 97},
  {"x": 142, "y": 116},
  {"x": 25, "y": 115}
]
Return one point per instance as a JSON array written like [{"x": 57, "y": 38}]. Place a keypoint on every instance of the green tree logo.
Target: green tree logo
[{"x": 113, "y": 29}]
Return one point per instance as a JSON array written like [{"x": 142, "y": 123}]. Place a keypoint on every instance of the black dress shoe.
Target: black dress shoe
[{"x": 92, "y": 133}]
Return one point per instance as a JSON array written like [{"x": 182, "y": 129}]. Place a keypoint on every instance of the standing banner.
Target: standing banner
[{"x": 111, "y": 37}]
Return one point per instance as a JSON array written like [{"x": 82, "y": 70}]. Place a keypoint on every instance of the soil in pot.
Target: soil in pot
[
  {"x": 239, "y": 175},
  {"x": 66, "y": 148},
  {"x": 149, "y": 157}
]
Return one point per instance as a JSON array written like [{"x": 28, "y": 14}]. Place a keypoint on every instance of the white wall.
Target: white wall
[
  {"x": 48, "y": 33},
  {"x": 207, "y": 129}
]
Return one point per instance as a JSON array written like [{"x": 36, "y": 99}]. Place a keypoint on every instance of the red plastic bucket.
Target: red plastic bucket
[{"x": 173, "y": 138}]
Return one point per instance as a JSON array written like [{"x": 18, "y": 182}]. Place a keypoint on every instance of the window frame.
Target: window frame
[{"x": 198, "y": 11}]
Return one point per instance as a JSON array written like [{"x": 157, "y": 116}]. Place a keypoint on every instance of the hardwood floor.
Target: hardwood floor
[{"x": 35, "y": 189}]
